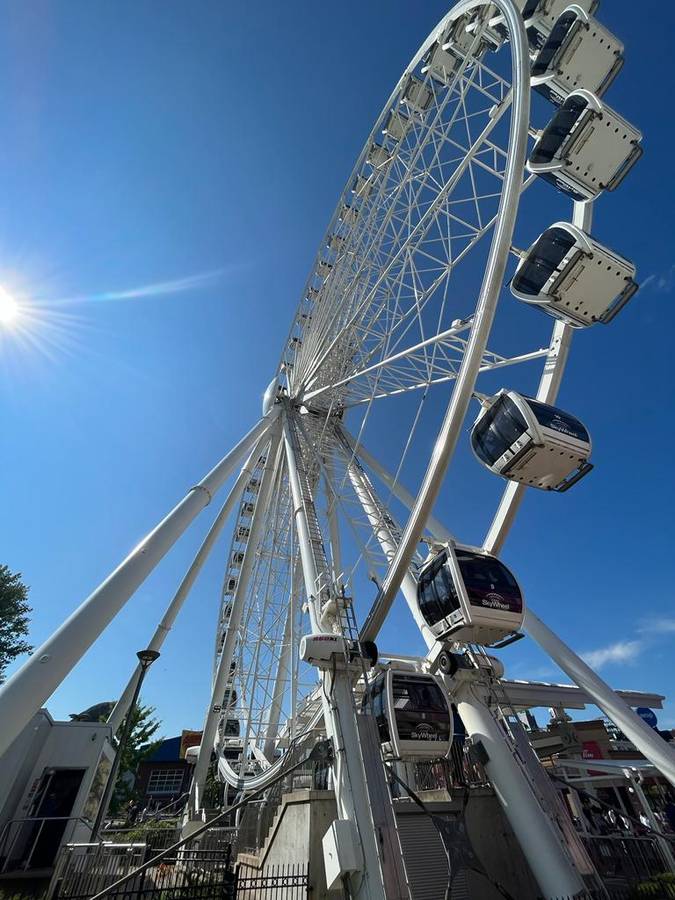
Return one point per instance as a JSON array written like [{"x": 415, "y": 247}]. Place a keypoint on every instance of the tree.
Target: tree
[
  {"x": 138, "y": 748},
  {"x": 14, "y": 611}
]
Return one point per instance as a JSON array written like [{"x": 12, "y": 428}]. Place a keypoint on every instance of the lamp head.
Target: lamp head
[{"x": 147, "y": 657}]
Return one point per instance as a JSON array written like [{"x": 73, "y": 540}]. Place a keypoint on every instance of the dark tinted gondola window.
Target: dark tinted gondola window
[
  {"x": 420, "y": 709},
  {"x": 436, "y": 592},
  {"x": 376, "y": 697},
  {"x": 545, "y": 257},
  {"x": 557, "y": 130},
  {"x": 554, "y": 43},
  {"x": 499, "y": 428},
  {"x": 530, "y": 8},
  {"x": 232, "y": 728},
  {"x": 557, "y": 420},
  {"x": 488, "y": 582}
]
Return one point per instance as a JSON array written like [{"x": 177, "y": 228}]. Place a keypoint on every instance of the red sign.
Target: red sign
[{"x": 591, "y": 750}]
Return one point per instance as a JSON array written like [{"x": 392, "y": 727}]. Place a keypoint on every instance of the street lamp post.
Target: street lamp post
[{"x": 146, "y": 658}]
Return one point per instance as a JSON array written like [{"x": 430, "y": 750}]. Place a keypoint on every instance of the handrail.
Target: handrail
[{"x": 23, "y": 821}]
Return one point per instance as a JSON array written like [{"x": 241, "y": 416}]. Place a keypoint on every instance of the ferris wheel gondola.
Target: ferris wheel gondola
[
  {"x": 578, "y": 53},
  {"x": 413, "y": 714},
  {"x": 586, "y": 148},
  {"x": 531, "y": 442},
  {"x": 540, "y": 17},
  {"x": 572, "y": 277},
  {"x": 466, "y": 594}
]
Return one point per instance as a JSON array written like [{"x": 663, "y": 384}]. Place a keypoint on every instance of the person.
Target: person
[{"x": 132, "y": 812}]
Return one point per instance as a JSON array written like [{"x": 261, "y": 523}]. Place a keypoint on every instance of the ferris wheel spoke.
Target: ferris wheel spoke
[{"x": 415, "y": 203}]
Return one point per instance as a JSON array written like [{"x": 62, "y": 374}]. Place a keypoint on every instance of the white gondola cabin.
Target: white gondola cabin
[
  {"x": 442, "y": 65},
  {"x": 416, "y": 95},
  {"x": 462, "y": 37},
  {"x": 466, "y": 594},
  {"x": 397, "y": 126},
  {"x": 572, "y": 277},
  {"x": 362, "y": 186},
  {"x": 378, "y": 156},
  {"x": 413, "y": 714},
  {"x": 578, "y": 53},
  {"x": 531, "y": 442},
  {"x": 586, "y": 148},
  {"x": 541, "y": 15}
]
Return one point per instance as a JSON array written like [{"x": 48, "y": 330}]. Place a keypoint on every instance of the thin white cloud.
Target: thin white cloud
[
  {"x": 154, "y": 289},
  {"x": 659, "y": 626},
  {"x": 661, "y": 284},
  {"x": 621, "y": 651}
]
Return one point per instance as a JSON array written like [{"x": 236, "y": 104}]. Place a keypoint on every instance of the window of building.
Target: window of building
[{"x": 165, "y": 781}]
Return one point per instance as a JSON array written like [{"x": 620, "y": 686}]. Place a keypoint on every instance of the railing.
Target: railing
[
  {"x": 199, "y": 874},
  {"x": 281, "y": 882},
  {"x": 459, "y": 770},
  {"x": 21, "y": 838},
  {"x": 629, "y": 858}
]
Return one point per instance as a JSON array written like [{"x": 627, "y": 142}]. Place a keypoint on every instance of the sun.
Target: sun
[{"x": 9, "y": 309}]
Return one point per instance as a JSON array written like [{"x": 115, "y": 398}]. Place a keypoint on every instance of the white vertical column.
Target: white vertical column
[
  {"x": 25, "y": 692},
  {"x": 337, "y": 698}
]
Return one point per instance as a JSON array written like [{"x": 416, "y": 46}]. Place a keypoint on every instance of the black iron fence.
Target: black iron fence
[
  {"x": 185, "y": 875},
  {"x": 282, "y": 882},
  {"x": 629, "y": 859}
]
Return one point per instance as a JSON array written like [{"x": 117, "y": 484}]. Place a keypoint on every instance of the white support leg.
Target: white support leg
[
  {"x": 223, "y": 676},
  {"x": 537, "y": 836},
  {"x": 27, "y": 690},
  {"x": 351, "y": 789},
  {"x": 647, "y": 741},
  {"x": 121, "y": 707}
]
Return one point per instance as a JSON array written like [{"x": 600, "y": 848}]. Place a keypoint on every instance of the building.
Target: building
[
  {"x": 51, "y": 782},
  {"x": 164, "y": 776}
]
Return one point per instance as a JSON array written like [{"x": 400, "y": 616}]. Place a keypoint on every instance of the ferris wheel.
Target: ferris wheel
[
  {"x": 412, "y": 311},
  {"x": 380, "y": 328}
]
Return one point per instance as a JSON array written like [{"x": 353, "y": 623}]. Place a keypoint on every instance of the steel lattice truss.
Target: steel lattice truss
[{"x": 377, "y": 317}]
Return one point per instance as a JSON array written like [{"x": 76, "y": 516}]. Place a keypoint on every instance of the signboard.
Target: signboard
[
  {"x": 647, "y": 715},
  {"x": 592, "y": 750}
]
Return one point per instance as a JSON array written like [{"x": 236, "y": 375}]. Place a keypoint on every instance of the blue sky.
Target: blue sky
[{"x": 166, "y": 172}]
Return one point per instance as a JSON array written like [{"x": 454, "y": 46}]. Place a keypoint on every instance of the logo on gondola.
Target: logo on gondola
[
  {"x": 424, "y": 732},
  {"x": 557, "y": 424},
  {"x": 495, "y": 601}
]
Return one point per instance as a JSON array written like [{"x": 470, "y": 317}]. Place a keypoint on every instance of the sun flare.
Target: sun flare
[{"x": 9, "y": 309}]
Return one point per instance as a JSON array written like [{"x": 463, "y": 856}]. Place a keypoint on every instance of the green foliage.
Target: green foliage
[
  {"x": 139, "y": 746},
  {"x": 14, "y": 611},
  {"x": 140, "y": 833},
  {"x": 662, "y": 885}
]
